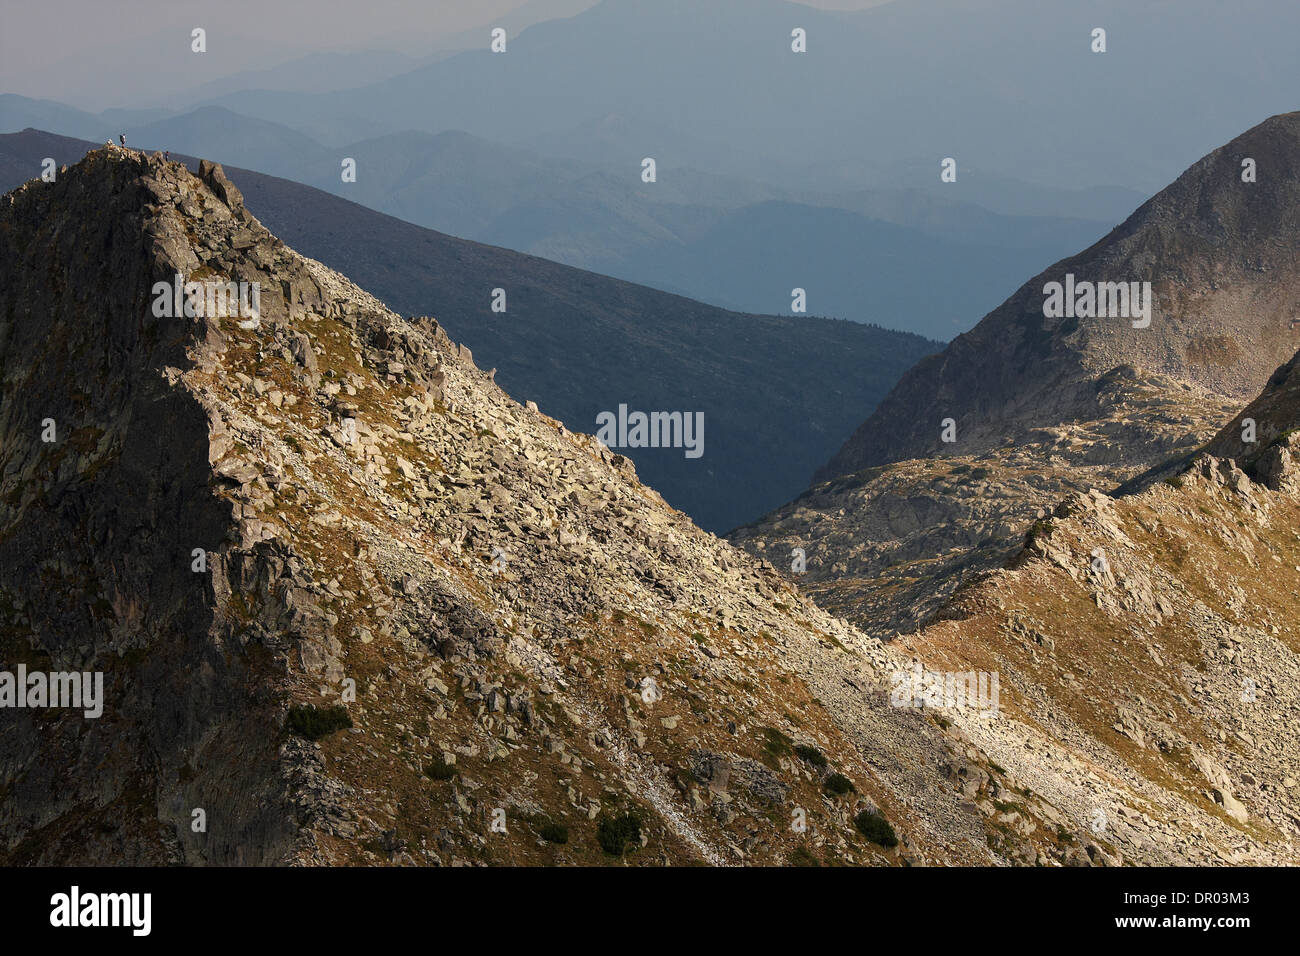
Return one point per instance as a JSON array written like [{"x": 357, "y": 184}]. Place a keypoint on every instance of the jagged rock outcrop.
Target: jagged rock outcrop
[{"x": 1259, "y": 438}]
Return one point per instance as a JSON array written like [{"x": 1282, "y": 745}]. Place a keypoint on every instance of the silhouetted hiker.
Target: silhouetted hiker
[
  {"x": 122, "y": 139},
  {"x": 167, "y": 156}
]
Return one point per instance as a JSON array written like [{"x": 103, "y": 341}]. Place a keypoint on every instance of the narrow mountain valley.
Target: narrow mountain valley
[{"x": 978, "y": 442}]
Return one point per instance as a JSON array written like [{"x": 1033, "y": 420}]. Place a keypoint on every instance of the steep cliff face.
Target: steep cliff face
[
  {"x": 1224, "y": 266},
  {"x": 1259, "y": 436},
  {"x": 106, "y": 491},
  {"x": 265, "y": 528}
]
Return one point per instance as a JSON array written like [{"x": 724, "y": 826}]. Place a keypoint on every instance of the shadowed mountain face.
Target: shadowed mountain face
[
  {"x": 1224, "y": 265},
  {"x": 1265, "y": 422},
  {"x": 778, "y": 394}
]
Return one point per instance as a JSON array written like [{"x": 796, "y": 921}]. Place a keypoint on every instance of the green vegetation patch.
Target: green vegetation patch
[
  {"x": 553, "y": 832},
  {"x": 838, "y": 785},
  {"x": 618, "y": 834},
  {"x": 439, "y": 769},
  {"x": 775, "y": 746},
  {"x": 876, "y": 828},
  {"x": 811, "y": 754},
  {"x": 802, "y": 856},
  {"x": 313, "y": 723}
]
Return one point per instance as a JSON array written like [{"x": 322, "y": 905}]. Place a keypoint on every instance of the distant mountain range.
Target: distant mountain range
[
  {"x": 868, "y": 255},
  {"x": 881, "y": 96},
  {"x": 1017, "y": 81},
  {"x": 779, "y": 394}
]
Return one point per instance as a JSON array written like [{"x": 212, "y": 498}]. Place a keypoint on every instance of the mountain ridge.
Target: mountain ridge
[
  {"x": 1018, "y": 369},
  {"x": 259, "y": 526},
  {"x": 675, "y": 350}
]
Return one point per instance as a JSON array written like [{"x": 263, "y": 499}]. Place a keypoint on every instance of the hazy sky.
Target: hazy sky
[{"x": 96, "y": 54}]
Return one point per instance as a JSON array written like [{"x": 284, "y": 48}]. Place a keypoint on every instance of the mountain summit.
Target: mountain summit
[
  {"x": 1222, "y": 261},
  {"x": 579, "y": 343}
]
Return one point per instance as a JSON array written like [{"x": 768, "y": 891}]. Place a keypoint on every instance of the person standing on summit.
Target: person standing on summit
[{"x": 122, "y": 138}]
